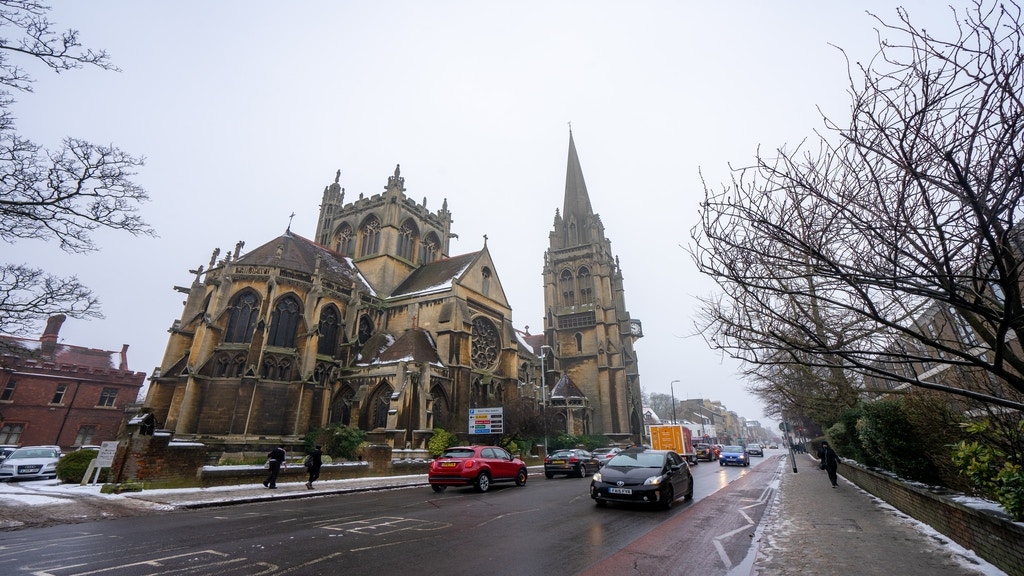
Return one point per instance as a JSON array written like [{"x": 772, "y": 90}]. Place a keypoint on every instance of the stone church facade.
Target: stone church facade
[{"x": 373, "y": 324}]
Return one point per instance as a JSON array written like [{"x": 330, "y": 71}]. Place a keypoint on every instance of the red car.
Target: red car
[{"x": 476, "y": 466}]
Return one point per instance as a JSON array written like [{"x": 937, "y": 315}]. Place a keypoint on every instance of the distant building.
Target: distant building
[{"x": 57, "y": 394}]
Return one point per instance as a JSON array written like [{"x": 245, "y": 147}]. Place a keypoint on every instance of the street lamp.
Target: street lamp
[
  {"x": 673, "y": 390},
  {"x": 700, "y": 408},
  {"x": 544, "y": 395}
]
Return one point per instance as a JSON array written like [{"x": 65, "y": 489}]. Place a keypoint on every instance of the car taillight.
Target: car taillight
[
  {"x": 469, "y": 464},
  {"x": 574, "y": 459}
]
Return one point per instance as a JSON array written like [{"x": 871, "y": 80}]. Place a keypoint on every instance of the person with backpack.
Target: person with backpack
[
  {"x": 275, "y": 459},
  {"x": 829, "y": 462},
  {"x": 313, "y": 462}
]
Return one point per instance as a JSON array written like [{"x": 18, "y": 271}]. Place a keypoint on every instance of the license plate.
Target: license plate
[
  {"x": 30, "y": 469},
  {"x": 620, "y": 491},
  {"x": 449, "y": 464},
  {"x": 558, "y": 461}
]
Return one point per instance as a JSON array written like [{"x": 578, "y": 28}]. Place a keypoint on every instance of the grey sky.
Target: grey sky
[{"x": 245, "y": 111}]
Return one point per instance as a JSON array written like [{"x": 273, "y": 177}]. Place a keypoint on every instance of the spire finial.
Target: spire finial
[{"x": 290, "y": 222}]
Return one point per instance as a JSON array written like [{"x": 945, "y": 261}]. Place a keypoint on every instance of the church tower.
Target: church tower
[{"x": 586, "y": 322}]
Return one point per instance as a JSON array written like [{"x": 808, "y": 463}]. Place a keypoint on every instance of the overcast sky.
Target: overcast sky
[{"x": 245, "y": 110}]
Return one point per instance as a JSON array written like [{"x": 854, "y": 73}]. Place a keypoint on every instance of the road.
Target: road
[{"x": 548, "y": 526}]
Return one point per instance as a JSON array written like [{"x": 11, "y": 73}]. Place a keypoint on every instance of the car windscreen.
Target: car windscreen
[
  {"x": 637, "y": 460},
  {"x": 457, "y": 454},
  {"x": 561, "y": 454},
  {"x": 732, "y": 449},
  {"x": 33, "y": 453}
]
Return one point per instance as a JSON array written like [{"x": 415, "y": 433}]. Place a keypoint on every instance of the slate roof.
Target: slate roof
[
  {"x": 300, "y": 254},
  {"x": 414, "y": 345},
  {"x": 435, "y": 276},
  {"x": 565, "y": 388}
]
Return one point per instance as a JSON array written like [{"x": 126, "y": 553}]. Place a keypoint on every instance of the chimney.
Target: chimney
[
  {"x": 48, "y": 340},
  {"x": 124, "y": 357}
]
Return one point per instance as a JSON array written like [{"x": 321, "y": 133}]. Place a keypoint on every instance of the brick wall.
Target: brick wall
[{"x": 991, "y": 536}]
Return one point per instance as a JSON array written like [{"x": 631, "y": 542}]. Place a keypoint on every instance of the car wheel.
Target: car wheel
[
  {"x": 549, "y": 475},
  {"x": 689, "y": 494},
  {"x": 483, "y": 482},
  {"x": 670, "y": 496},
  {"x": 521, "y": 477},
  {"x": 583, "y": 470},
  {"x": 437, "y": 487}
]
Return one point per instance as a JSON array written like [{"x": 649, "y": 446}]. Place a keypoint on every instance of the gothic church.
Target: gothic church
[{"x": 373, "y": 324}]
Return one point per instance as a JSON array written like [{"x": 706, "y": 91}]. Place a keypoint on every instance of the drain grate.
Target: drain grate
[{"x": 842, "y": 524}]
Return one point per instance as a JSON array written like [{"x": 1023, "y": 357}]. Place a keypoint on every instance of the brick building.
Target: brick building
[{"x": 53, "y": 393}]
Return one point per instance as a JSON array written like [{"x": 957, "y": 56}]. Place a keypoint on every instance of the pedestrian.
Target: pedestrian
[
  {"x": 829, "y": 462},
  {"x": 314, "y": 460},
  {"x": 275, "y": 460}
]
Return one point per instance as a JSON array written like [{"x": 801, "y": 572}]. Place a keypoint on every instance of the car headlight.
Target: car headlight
[
  {"x": 596, "y": 477},
  {"x": 653, "y": 480}
]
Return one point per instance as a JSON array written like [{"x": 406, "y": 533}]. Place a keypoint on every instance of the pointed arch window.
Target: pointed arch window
[
  {"x": 379, "y": 406},
  {"x": 341, "y": 408},
  {"x": 429, "y": 248},
  {"x": 329, "y": 328},
  {"x": 284, "y": 322},
  {"x": 485, "y": 280},
  {"x": 243, "y": 316},
  {"x": 369, "y": 237},
  {"x": 344, "y": 239},
  {"x": 408, "y": 234},
  {"x": 565, "y": 287},
  {"x": 585, "y": 283},
  {"x": 365, "y": 329},
  {"x": 579, "y": 342}
]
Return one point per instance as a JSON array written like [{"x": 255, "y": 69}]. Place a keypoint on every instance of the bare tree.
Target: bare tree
[
  {"x": 59, "y": 194},
  {"x": 892, "y": 248}
]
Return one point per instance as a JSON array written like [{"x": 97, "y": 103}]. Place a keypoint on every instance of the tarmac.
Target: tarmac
[{"x": 808, "y": 528}]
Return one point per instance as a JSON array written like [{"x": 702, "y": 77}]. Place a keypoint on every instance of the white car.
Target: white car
[{"x": 30, "y": 462}]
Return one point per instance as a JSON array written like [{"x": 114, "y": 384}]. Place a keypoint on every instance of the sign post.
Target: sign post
[{"x": 105, "y": 459}]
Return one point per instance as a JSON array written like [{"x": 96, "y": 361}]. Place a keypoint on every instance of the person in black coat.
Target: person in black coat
[
  {"x": 313, "y": 463},
  {"x": 829, "y": 462},
  {"x": 275, "y": 459}
]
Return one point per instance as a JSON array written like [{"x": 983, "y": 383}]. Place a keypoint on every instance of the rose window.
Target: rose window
[{"x": 485, "y": 343}]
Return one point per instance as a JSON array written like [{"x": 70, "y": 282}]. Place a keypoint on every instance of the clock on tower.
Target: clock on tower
[{"x": 635, "y": 329}]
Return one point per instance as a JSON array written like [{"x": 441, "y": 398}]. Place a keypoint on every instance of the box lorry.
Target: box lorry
[{"x": 676, "y": 438}]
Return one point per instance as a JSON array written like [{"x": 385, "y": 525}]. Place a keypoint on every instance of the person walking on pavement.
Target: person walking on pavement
[
  {"x": 275, "y": 459},
  {"x": 829, "y": 462},
  {"x": 313, "y": 463}
]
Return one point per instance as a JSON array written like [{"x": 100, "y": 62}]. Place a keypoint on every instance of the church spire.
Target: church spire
[{"x": 577, "y": 201}]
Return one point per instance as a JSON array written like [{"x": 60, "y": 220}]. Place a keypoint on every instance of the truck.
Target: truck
[{"x": 676, "y": 438}]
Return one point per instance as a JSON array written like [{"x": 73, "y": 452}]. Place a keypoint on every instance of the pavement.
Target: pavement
[{"x": 808, "y": 528}]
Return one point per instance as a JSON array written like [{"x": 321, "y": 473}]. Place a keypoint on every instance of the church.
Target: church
[{"x": 372, "y": 323}]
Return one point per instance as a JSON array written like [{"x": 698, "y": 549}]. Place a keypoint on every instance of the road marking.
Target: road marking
[
  {"x": 762, "y": 499},
  {"x": 386, "y": 525}
]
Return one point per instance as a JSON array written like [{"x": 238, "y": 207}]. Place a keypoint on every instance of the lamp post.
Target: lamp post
[
  {"x": 544, "y": 395},
  {"x": 700, "y": 408},
  {"x": 673, "y": 390}
]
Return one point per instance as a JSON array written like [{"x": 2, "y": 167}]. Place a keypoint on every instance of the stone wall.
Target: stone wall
[
  {"x": 160, "y": 462},
  {"x": 990, "y": 535}
]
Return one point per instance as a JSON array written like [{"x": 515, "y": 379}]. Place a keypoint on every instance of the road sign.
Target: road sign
[{"x": 486, "y": 421}]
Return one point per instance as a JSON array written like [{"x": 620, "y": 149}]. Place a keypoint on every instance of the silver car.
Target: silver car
[{"x": 30, "y": 462}]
